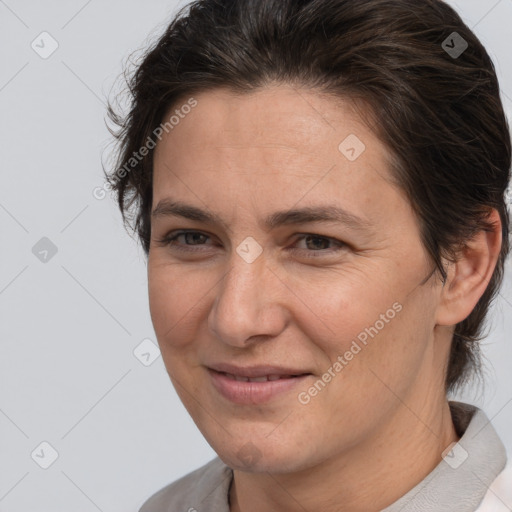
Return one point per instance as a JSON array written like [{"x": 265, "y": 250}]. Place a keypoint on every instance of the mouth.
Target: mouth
[
  {"x": 263, "y": 378},
  {"x": 255, "y": 385}
]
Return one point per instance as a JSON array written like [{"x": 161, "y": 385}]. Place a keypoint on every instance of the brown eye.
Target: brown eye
[
  {"x": 190, "y": 238},
  {"x": 317, "y": 245}
]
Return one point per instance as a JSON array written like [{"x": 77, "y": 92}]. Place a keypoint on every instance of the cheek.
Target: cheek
[
  {"x": 174, "y": 303},
  {"x": 385, "y": 354},
  {"x": 369, "y": 325},
  {"x": 162, "y": 299},
  {"x": 344, "y": 307}
]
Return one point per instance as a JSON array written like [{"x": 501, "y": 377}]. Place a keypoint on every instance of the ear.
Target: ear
[{"x": 468, "y": 277}]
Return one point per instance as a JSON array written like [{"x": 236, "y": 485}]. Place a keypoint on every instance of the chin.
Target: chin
[{"x": 262, "y": 457}]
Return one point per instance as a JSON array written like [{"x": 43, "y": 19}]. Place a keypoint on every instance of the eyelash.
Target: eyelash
[{"x": 169, "y": 240}]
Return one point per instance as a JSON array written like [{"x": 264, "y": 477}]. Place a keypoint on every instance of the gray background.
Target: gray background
[{"x": 70, "y": 325}]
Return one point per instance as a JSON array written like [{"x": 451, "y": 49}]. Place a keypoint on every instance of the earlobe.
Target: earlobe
[{"x": 469, "y": 276}]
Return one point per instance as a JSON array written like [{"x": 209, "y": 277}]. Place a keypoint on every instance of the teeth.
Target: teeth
[{"x": 264, "y": 378}]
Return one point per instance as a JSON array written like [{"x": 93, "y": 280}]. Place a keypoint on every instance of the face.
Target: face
[{"x": 335, "y": 308}]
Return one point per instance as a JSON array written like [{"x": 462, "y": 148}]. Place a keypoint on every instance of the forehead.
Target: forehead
[
  {"x": 277, "y": 145},
  {"x": 280, "y": 115},
  {"x": 278, "y": 119}
]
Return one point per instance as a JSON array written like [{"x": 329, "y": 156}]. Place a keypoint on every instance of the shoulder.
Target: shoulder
[
  {"x": 499, "y": 494},
  {"x": 204, "y": 489}
]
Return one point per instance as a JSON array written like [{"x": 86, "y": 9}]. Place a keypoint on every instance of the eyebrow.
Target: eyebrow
[{"x": 324, "y": 213}]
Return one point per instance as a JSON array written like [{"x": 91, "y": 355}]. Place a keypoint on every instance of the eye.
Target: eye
[
  {"x": 171, "y": 238},
  {"x": 315, "y": 244},
  {"x": 318, "y": 241}
]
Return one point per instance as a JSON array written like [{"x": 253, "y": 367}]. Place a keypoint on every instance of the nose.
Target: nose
[{"x": 249, "y": 305}]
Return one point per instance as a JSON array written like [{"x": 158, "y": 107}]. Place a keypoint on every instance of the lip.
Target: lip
[
  {"x": 254, "y": 393},
  {"x": 255, "y": 371}
]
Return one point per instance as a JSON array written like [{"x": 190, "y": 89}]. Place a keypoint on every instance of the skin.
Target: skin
[{"x": 381, "y": 424}]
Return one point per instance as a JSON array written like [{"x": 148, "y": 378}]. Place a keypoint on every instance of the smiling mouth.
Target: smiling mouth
[
  {"x": 263, "y": 378},
  {"x": 259, "y": 389}
]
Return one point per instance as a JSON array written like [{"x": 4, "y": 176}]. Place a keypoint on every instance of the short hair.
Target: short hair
[{"x": 427, "y": 83}]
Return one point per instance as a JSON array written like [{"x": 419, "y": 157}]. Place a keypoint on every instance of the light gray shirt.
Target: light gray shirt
[{"x": 457, "y": 484}]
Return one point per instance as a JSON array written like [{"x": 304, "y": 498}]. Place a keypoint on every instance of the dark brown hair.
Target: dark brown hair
[{"x": 438, "y": 112}]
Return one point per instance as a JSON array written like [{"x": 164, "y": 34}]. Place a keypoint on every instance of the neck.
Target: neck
[{"x": 368, "y": 477}]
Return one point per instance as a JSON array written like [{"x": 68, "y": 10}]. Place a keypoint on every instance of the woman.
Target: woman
[{"x": 319, "y": 186}]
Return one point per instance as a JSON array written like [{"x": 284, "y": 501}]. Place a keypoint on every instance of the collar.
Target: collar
[{"x": 457, "y": 484}]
